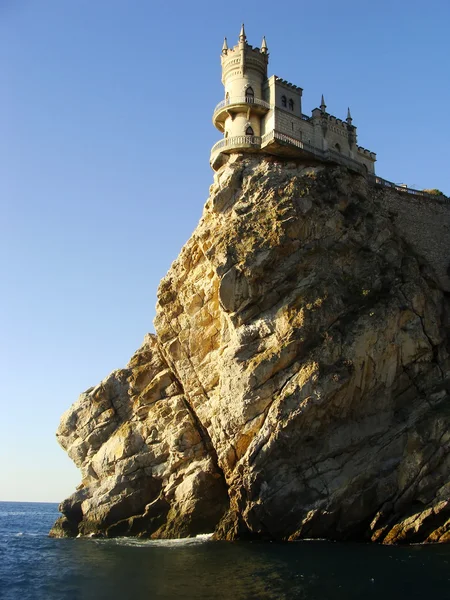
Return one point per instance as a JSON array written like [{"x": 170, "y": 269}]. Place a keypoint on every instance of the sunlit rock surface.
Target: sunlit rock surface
[{"x": 297, "y": 385}]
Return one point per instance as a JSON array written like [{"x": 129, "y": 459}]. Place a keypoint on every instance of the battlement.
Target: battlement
[
  {"x": 368, "y": 153},
  {"x": 233, "y": 55},
  {"x": 242, "y": 58},
  {"x": 285, "y": 83},
  {"x": 338, "y": 121}
]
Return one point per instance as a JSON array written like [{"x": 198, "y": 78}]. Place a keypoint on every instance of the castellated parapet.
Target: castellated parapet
[{"x": 264, "y": 114}]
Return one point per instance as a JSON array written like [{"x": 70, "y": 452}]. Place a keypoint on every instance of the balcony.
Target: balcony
[
  {"x": 238, "y": 104},
  {"x": 247, "y": 142}
]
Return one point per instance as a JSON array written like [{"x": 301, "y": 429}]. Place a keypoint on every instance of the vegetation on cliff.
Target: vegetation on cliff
[{"x": 434, "y": 192}]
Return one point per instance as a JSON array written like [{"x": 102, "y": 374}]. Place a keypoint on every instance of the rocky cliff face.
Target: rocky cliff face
[{"x": 297, "y": 386}]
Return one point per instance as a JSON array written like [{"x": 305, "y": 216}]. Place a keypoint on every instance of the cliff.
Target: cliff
[{"x": 298, "y": 383}]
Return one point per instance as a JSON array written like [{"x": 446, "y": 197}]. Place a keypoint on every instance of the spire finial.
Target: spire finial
[
  {"x": 225, "y": 46},
  {"x": 264, "y": 46},
  {"x": 242, "y": 36},
  {"x": 349, "y": 117},
  {"x": 322, "y": 104}
]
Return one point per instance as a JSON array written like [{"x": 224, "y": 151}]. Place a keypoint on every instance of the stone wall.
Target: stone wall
[
  {"x": 337, "y": 134},
  {"x": 364, "y": 159},
  {"x": 286, "y": 122},
  {"x": 425, "y": 224},
  {"x": 275, "y": 88},
  {"x": 268, "y": 122},
  {"x": 239, "y": 124}
]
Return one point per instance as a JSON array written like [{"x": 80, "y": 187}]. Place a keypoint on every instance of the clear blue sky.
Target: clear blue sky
[{"x": 105, "y": 132}]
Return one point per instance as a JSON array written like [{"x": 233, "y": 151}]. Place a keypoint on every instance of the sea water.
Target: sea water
[{"x": 36, "y": 567}]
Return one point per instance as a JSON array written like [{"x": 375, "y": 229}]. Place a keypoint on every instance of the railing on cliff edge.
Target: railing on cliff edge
[{"x": 380, "y": 182}]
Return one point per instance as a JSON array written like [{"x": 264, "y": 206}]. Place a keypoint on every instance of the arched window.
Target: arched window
[
  {"x": 227, "y": 98},
  {"x": 291, "y": 104},
  {"x": 249, "y": 130},
  {"x": 249, "y": 95},
  {"x": 283, "y": 100},
  {"x": 338, "y": 148}
]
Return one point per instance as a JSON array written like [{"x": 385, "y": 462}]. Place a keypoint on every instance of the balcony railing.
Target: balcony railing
[
  {"x": 244, "y": 141},
  {"x": 282, "y": 137},
  {"x": 242, "y": 100},
  {"x": 236, "y": 142}
]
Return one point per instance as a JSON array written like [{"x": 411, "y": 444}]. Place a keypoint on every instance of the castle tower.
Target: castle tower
[{"x": 244, "y": 71}]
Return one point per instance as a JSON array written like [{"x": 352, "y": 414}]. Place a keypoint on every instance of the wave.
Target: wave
[
  {"x": 142, "y": 543},
  {"x": 20, "y": 534},
  {"x": 23, "y": 513}
]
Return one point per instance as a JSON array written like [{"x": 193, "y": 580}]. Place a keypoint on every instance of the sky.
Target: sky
[{"x": 105, "y": 133}]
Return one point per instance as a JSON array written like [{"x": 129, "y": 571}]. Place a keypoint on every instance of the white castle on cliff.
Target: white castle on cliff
[{"x": 261, "y": 114}]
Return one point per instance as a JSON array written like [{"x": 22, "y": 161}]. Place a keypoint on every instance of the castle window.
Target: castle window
[
  {"x": 338, "y": 148},
  {"x": 291, "y": 104},
  {"x": 283, "y": 100},
  {"x": 249, "y": 95},
  {"x": 249, "y": 130}
]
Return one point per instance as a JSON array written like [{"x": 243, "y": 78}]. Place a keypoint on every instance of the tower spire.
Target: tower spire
[
  {"x": 242, "y": 36},
  {"x": 264, "y": 49},
  {"x": 322, "y": 104},
  {"x": 225, "y": 46},
  {"x": 349, "y": 117}
]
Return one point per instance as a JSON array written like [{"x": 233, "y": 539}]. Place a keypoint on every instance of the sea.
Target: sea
[{"x": 36, "y": 567}]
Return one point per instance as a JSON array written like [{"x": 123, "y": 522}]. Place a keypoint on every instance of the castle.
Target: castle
[
  {"x": 261, "y": 114},
  {"x": 265, "y": 114}
]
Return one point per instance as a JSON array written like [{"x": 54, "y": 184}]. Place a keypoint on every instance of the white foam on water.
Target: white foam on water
[
  {"x": 314, "y": 540},
  {"x": 168, "y": 543},
  {"x": 204, "y": 536}
]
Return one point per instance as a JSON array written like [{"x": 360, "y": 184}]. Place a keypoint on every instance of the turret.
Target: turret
[
  {"x": 349, "y": 117},
  {"x": 264, "y": 49},
  {"x": 225, "y": 46},
  {"x": 244, "y": 71},
  {"x": 351, "y": 132},
  {"x": 242, "y": 37}
]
